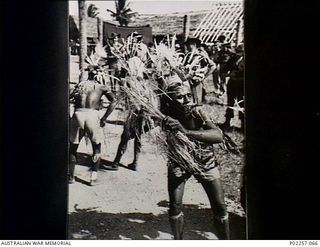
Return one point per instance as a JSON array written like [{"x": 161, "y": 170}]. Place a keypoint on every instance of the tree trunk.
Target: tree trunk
[{"x": 83, "y": 37}]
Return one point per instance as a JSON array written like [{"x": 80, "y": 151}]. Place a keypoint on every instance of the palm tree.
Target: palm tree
[
  {"x": 92, "y": 11},
  {"x": 123, "y": 13}
]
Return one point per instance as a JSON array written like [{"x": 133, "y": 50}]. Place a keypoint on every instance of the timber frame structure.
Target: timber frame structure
[{"x": 225, "y": 18}]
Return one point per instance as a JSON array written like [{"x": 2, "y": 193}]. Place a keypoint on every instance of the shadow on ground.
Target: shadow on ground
[
  {"x": 86, "y": 160},
  {"x": 141, "y": 226},
  {"x": 116, "y": 122}
]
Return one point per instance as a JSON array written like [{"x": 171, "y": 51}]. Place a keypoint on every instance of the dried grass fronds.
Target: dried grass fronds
[
  {"x": 179, "y": 145},
  {"x": 96, "y": 57},
  {"x": 127, "y": 50},
  {"x": 165, "y": 58},
  {"x": 181, "y": 151},
  {"x": 100, "y": 50},
  {"x": 139, "y": 97}
]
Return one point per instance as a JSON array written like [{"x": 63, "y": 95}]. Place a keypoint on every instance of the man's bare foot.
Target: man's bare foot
[
  {"x": 114, "y": 166},
  {"x": 93, "y": 178},
  {"x": 71, "y": 180},
  {"x": 132, "y": 166}
]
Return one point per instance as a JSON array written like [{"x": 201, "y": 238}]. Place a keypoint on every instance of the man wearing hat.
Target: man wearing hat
[
  {"x": 199, "y": 67},
  {"x": 235, "y": 86},
  {"x": 140, "y": 48},
  {"x": 114, "y": 46},
  {"x": 114, "y": 40},
  {"x": 87, "y": 120},
  {"x": 221, "y": 57}
]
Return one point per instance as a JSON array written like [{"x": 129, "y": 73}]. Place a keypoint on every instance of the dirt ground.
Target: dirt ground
[
  {"x": 133, "y": 205},
  {"x": 128, "y": 204}
]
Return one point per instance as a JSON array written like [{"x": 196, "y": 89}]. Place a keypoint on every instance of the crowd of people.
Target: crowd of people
[{"x": 180, "y": 73}]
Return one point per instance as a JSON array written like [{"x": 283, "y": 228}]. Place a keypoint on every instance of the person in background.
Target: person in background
[
  {"x": 142, "y": 48},
  {"x": 221, "y": 57},
  {"x": 137, "y": 120},
  {"x": 199, "y": 66},
  {"x": 235, "y": 86},
  {"x": 207, "y": 55}
]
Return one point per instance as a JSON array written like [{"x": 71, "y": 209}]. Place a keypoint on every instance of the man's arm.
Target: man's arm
[
  {"x": 211, "y": 68},
  {"x": 211, "y": 134}
]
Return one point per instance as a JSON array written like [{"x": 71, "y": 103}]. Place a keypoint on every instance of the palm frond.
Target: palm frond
[{"x": 112, "y": 13}]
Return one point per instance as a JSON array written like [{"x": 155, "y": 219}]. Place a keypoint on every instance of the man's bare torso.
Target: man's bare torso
[{"x": 89, "y": 95}]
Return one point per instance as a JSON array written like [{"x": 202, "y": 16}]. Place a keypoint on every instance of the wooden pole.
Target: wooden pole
[
  {"x": 240, "y": 31},
  {"x": 100, "y": 30},
  {"x": 83, "y": 38},
  {"x": 186, "y": 27}
]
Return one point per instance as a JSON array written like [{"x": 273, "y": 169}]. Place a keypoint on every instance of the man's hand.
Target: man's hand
[
  {"x": 198, "y": 112},
  {"x": 197, "y": 75},
  {"x": 174, "y": 125}
]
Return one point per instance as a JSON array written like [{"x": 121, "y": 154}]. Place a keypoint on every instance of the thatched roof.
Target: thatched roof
[
  {"x": 164, "y": 24},
  {"x": 224, "y": 18},
  {"x": 92, "y": 27}
]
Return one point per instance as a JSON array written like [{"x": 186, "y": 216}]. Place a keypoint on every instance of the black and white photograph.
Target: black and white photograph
[
  {"x": 126, "y": 121},
  {"x": 156, "y": 120}
]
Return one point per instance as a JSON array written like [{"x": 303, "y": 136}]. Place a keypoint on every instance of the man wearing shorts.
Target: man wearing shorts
[{"x": 193, "y": 122}]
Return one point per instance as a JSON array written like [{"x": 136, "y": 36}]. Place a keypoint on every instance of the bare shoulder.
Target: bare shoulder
[
  {"x": 199, "y": 112},
  {"x": 204, "y": 113}
]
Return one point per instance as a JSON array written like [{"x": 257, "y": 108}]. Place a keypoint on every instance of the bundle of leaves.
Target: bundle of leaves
[
  {"x": 167, "y": 60},
  {"x": 181, "y": 151},
  {"x": 178, "y": 144},
  {"x": 125, "y": 50},
  {"x": 140, "y": 93}
]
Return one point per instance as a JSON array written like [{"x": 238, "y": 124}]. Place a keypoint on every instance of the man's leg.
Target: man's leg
[
  {"x": 121, "y": 148},
  {"x": 176, "y": 190},
  {"x": 216, "y": 80},
  {"x": 223, "y": 78},
  {"x": 215, "y": 194},
  {"x": 96, "y": 158},
  {"x": 240, "y": 96},
  {"x": 96, "y": 136},
  {"x": 137, "y": 150},
  {"x": 137, "y": 143},
  {"x": 75, "y": 134},
  {"x": 230, "y": 99},
  {"x": 72, "y": 161}
]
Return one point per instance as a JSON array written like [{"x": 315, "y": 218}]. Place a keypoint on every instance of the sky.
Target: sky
[{"x": 149, "y": 6}]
